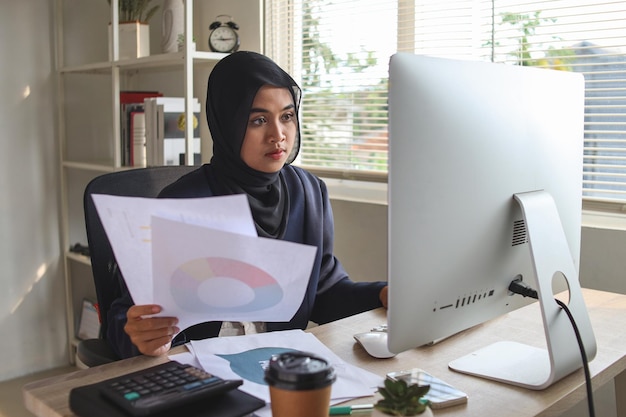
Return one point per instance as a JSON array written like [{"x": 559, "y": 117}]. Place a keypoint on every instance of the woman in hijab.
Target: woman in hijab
[{"x": 252, "y": 112}]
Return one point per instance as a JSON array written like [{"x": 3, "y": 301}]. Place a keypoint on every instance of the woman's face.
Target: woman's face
[{"x": 271, "y": 131}]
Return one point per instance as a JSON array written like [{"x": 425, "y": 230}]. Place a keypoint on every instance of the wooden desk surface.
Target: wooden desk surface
[{"x": 49, "y": 397}]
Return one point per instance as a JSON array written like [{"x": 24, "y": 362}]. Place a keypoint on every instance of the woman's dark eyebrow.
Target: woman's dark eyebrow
[{"x": 260, "y": 110}]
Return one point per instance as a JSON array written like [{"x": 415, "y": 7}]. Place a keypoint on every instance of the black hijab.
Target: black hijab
[{"x": 232, "y": 86}]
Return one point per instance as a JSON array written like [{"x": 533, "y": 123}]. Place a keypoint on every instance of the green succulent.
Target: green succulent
[{"x": 401, "y": 399}]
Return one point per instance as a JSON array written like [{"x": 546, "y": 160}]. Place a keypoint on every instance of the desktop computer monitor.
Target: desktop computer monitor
[{"x": 485, "y": 187}]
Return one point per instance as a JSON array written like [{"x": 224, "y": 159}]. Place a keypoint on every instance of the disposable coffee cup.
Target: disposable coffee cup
[{"x": 300, "y": 384}]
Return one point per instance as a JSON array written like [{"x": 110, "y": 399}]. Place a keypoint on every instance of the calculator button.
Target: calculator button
[{"x": 131, "y": 396}]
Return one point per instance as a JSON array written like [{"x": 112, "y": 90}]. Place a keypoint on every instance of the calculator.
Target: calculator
[{"x": 163, "y": 387}]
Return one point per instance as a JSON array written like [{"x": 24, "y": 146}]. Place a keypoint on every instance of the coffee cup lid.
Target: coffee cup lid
[{"x": 299, "y": 371}]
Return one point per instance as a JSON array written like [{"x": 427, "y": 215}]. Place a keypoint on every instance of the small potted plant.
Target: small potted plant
[
  {"x": 181, "y": 42},
  {"x": 133, "y": 20},
  {"x": 402, "y": 399}
]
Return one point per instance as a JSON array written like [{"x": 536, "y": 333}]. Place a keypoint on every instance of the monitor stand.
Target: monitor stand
[{"x": 527, "y": 366}]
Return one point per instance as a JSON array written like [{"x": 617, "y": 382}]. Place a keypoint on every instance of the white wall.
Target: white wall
[
  {"x": 32, "y": 297},
  {"x": 361, "y": 239},
  {"x": 603, "y": 259}
]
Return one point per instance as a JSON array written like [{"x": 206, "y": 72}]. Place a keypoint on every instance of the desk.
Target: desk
[{"x": 49, "y": 397}]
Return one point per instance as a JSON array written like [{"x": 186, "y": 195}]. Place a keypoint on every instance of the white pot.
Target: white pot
[
  {"x": 173, "y": 25},
  {"x": 134, "y": 40}
]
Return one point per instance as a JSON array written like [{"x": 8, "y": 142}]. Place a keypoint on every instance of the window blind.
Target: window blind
[{"x": 339, "y": 50}]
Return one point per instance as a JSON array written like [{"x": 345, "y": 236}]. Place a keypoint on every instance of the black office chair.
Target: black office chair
[{"x": 141, "y": 182}]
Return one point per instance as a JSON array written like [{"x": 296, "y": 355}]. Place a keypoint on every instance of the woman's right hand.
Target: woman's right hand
[{"x": 152, "y": 335}]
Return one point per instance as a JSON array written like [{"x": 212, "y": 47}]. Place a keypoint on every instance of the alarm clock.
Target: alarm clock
[{"x": 224, "y": 36}]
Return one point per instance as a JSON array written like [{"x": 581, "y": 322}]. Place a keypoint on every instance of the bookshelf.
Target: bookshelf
[{"x": 89, "y": 82}]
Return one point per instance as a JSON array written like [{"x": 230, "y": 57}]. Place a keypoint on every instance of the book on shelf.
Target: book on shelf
[
  {"x": 138, "y": 138},
  {"x": 137, "y": 96},
  {"x": 165, "y": 131},
  {"x": 89, "y": 325},
  {"x": 132, "y": 134}
]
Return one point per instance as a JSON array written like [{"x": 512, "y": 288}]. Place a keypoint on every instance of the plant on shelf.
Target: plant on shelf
[
  {"x": 402, "y": 399},
  {"x": 135, "y": 10},
  {"x": 181, "y": 41}
]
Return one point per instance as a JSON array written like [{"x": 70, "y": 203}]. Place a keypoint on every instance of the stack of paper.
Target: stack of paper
[
  {"x": 201, "y": 260},
  {"x": 245, "y": 357}
]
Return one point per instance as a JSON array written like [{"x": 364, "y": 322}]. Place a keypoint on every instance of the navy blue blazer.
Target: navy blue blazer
[{"x": 330, "y": 293}]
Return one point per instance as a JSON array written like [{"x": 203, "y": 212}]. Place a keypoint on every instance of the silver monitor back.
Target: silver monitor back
[{"x": 464, "y": 138}]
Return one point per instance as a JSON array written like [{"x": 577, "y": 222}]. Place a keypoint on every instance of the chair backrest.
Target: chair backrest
[{"x": 140, "y": 182}]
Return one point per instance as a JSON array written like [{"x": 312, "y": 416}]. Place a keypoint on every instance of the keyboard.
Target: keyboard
[{"x": 163, "y": 387}]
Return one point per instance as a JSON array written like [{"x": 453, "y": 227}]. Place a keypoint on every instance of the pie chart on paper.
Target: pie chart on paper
[{"x": 215, "y": 284}]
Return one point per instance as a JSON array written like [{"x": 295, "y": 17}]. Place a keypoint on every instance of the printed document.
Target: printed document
[
  {"x": 246, "y": 357},
  {"x": 200, "y": 259}
]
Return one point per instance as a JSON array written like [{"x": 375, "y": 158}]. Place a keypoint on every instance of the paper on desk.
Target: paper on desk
[
  {"x": 245, "y": 357},
  {"x": 203, "y": 274},
  {"x": 126, "y": 221}
]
